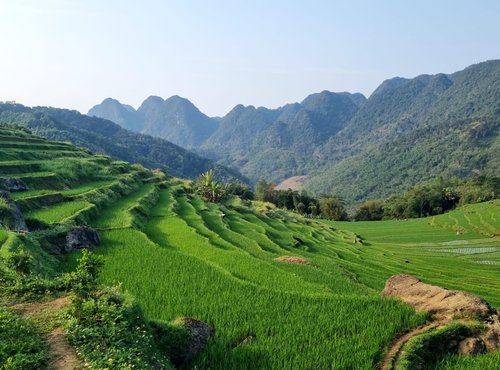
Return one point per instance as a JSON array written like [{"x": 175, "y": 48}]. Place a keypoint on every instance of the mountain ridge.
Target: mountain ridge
[
  {"x": 327, "y": 133},
  {"x": 104, "y": 136}
]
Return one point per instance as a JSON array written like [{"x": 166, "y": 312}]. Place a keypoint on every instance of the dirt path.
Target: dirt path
[
  {"x": 62, "y": 356},
  {"x": 392, "y": 356}
]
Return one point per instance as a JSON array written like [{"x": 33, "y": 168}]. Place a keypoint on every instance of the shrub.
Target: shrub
[
  {"x": 111, "y": 333},
  {"x": 21, "y": 345},
  {"x": 21, "y": 261}
]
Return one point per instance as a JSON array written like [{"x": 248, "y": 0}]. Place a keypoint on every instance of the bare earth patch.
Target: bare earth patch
[
  {"x": 444, "y": 306},
  {"x": 294, "y": 183},
  {"x": 34, "y": 309},
  {"x": 62, "y": 356},
  {"x": 292, "y": 259}
]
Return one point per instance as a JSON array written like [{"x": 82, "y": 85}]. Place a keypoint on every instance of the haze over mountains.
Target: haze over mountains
[
  {"x": 407, "y": 131},
  {"x": 175, "y": 119},
  {"x": 105, "y": 137}
]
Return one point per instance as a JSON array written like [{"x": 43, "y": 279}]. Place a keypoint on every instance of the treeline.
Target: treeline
[
  {"x": 422, "y": 200},
  {"x": 430, "y": 199},
  {"x": 325, "y": 206}
]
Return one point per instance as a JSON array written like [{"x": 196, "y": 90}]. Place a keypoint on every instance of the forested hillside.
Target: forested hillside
[
  {"x": 408, "y": 131},
  {"x": 411, "y": 130},
  {"x": 175, "y": 119},
  {"x": 103, "y": 136}
]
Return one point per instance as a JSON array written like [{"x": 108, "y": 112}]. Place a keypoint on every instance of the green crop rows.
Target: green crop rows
[
  {"x": 198, "y": 259},
  {"x": 223, "y": 264}
]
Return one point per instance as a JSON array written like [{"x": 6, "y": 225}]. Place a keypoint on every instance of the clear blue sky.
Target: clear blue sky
[{"x": 75, "y": 53}]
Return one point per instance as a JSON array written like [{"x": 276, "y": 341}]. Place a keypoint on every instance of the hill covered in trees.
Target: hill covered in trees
[
  {"x": 175, "y": 119},
  {"x": 406, "y": 132},
  {"x": 412, "y": 130},
  {"x": 104, "y": 136}
]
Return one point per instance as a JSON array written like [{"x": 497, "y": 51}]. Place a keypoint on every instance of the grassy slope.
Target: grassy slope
[
  {"x": 298, "y": 320},
  {"x": 189, "y": 260}
]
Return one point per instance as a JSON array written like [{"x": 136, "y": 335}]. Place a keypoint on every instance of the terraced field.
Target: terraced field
[
  {"x": 288, "y": 315},
  {"x": 472, "y": 218},
  {"x": 282, "y": 291}
]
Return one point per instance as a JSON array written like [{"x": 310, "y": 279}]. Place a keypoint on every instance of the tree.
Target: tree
[
  {"x": 371, "y": 210},
  {"x": 301, "y": 208},
  {"x": 332, "y": 207},
  {"x": 263, "y": 190},
  {"x": 208, "y": 188}
]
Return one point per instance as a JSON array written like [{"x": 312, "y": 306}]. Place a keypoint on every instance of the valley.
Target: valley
[
  {"x": 281, "y": 290},
  {"x": 408, "y": 131}
]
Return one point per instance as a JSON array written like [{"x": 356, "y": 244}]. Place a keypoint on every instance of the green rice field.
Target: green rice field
[{"x": 228, "y": 264}]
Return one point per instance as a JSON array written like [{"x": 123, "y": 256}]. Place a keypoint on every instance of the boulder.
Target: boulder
[
  {"x": 12, "y": 184},
  {"x": 441, "y": 303},
  {"x": 81, "y": 237},
  {"x": 10, "y": 215},
  {"x": 200, "y": 332},
  {"x": 471, "y": 347}
]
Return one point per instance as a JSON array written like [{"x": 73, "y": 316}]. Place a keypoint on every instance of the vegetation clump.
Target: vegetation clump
[
  {"x": 427, "y": 349},
  {"x": 21, "y": 343}
]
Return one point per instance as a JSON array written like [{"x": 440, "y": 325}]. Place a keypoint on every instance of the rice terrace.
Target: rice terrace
[
  {"x": 259, "y": 185},
  {"x": 280, "y": 290}
]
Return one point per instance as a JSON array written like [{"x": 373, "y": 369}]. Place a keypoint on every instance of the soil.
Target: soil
[
  {"x": 440, "y": 303},
  {"x": 443, "y": 306},
  {"x": 294, "y": 183},
  {"x": 293, "y": 259},
  {"x": 62, "y": 356}
]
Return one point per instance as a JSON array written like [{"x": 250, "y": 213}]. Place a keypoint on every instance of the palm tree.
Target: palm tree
[{"x": 209, "y": 188}]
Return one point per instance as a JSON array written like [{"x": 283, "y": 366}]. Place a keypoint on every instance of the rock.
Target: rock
[
  {"x": 442, "y": 304},
  {"x": 201, "y": 333},
  {"x": 12, "y": 184},
  {"x": 471, "y": 347},
  {"x": 445, "y": 306},
  {"x": 81, "y": 237},
  {"x": 11, "y": 216}
]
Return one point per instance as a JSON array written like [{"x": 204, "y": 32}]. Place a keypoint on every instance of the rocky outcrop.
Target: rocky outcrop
[
  {"x": 440, "y": 303},
  {"x": 12, "y": 184},
  {"x": 81, "y": 237},
  {"x": 446, "y": 306},
  {"x": 10, "y": 214},
  {"x": 201, "y": 333}
]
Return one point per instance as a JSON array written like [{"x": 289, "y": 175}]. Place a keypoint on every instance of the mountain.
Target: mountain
[
  {"x": 175, "y": 119},
  {"x": 411, "y": 130},
  {"x": 408, "y": 131},
  {"x": 104, "y": 136},
  {"x": 279, "y": 143},
  {"x": 121, "y": 114}
]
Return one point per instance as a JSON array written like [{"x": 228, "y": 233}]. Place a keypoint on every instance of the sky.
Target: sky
[{"x": 74, "y": 53}]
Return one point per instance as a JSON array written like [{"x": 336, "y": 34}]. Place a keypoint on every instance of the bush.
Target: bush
[
  {"x": 428, "y": 348},
  {"x": 21, "y": 261},
  {"x": 171, "y": 339},
  {"x": 21, "y": 344},
  {"x": 111, "y": 333}
]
